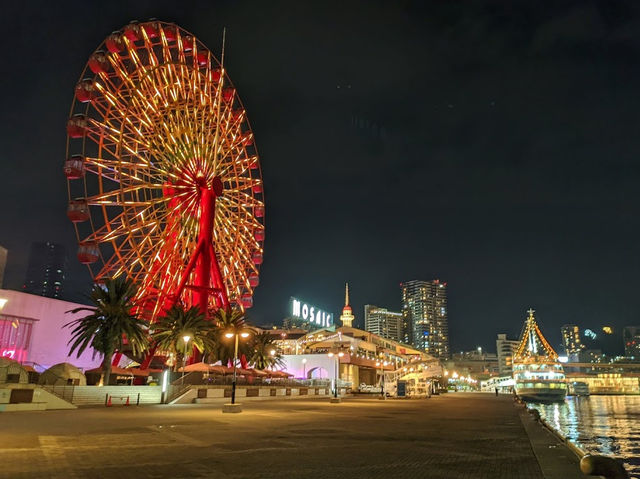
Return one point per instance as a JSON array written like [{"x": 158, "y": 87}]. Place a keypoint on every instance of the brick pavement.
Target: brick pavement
[{"x": 451, "y": 436}]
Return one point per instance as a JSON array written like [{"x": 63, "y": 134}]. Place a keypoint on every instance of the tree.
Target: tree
[
  {"x": 227, "y": 320},
  {"x": 169, "y": 331},
  {"x": 264, "y": 353},
  {"x": 110, "y": 323}
]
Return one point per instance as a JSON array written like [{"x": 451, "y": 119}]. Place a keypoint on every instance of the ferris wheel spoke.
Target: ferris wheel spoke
[
  {"x": 244, "y": 240},
  {"x": 153, "y": 60},
  {"x": 237, "y": 165},
  {"x": 116, "y": 198}
]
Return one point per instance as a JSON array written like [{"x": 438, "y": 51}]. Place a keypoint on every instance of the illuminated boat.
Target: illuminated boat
[
  {"x": 538, "y": 375},
  {"x": 577, "y": 388}
]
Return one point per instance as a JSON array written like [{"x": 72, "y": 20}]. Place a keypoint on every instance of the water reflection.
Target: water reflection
[{"x": 607, "y": 425}]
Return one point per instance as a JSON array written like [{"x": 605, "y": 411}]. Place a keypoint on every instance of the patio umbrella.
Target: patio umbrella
[
  {"x": 258, "y": 373},
  {"x": 279, "y": 374},
  {"x": 220, "y": 370},
  {"x": 197, "y": 367}
]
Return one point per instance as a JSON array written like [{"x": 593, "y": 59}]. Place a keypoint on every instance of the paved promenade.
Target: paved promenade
[{"x": 450, "y": 436}]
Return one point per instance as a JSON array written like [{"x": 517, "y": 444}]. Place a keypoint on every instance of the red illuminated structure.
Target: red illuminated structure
[{"x": 163, "y": 175}]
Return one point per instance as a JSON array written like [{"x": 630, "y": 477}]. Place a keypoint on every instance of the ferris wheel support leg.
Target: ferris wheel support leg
[
  {"x": 147, "y": 360},
  {"x": 222, "y": 301},
  {"x": 203, "y": 271}
]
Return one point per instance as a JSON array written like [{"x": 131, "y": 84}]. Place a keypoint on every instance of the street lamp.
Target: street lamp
[
  {"x": 186, "y": 338},
  {"x": 382, "y": 364},
  {"x": 335, "y": 388},
  {"x": 235, "y": 359}
]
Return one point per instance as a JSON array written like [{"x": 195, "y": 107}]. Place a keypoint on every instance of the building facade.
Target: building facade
[
  {"x": 477, "y": 363},
  {"x": 571, "y": 341},
  {"x": 425, "y": 319},
  {"x": 383, "y": 322},
  {"x": 33, "y": 332},
  {"x": 505, "y": 348},
  {"x": 46, "y": 270},
  {"x": 631, "y": 337},
  {"x": 358, "y": 357}
]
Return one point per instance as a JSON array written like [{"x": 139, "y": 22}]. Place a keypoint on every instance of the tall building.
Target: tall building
[
  {"x": 631, "y": 337},
  {"x": 571, "y": 341},
  {"x": 46, "y": 270},
  {"x": 382, "y": 322},
  {"x": 424, "y": 314},
  {"x": 347, "y": 313},
  {"x": 3, "y": 263},
  {"x": 505, "y": 349}
]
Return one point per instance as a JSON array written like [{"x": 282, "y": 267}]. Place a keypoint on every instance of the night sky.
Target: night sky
[{"x": 492, "y": 145}]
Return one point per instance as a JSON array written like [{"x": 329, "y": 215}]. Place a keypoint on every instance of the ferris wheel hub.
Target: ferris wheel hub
[{"x": 217, "y": 186}]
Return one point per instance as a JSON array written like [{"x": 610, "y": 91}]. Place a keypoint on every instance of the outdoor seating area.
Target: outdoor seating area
[{"x": 215, "y": 374}]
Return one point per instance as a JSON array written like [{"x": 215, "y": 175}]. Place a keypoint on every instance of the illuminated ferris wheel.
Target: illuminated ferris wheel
[{"x": 163, "y": 175}]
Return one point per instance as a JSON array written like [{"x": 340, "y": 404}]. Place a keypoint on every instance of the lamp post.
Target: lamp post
[
  {"x": 335, "y": 386},
  {"x": 186, "y": 338},
  {"x": 235, "y": 360},
  {"x": 382, "y": 364}
]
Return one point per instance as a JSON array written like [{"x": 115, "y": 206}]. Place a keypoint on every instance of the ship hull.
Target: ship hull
[{"x": 541, "y": 394}]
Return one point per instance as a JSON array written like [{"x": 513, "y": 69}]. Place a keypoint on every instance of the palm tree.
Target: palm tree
[
  {"x": 227, "y": 320},
  {"x": 178, "y": 323},
  {"x": 265, "y": 354},
  {"x": 109, "y": 324}
]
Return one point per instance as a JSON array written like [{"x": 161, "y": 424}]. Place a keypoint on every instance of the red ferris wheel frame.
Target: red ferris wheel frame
[{"x": 164, "y": 142}]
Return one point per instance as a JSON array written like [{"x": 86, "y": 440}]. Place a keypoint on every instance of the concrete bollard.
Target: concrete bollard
[{"x": 607, "y": 467}]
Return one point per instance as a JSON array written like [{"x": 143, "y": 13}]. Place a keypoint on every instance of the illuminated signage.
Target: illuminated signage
[
  {"x": 310, "y": 314},
  {"x": 13, "y": 353}
]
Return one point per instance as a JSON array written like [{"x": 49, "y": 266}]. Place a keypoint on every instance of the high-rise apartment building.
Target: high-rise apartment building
[
  {"x": 424, "y": 313},
  {"x": 505, "y": 349},
  {"x": 3, "y": 264},
  {"x": 46, "y": 270},
  {"x": 571, "y": 341},
  {"x": 383, "y": 322},
  {"x": 631, "y": 337}
]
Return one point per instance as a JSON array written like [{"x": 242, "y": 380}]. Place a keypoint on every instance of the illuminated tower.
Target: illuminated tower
[
  {"x": 425, "y": 320},
  {"x": 347, "y": 314}
]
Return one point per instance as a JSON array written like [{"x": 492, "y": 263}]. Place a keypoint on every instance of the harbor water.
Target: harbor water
[{"x": 608, "y": 425}]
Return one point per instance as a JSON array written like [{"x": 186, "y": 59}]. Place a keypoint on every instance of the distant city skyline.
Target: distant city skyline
[{"x": 46, "y": 270}]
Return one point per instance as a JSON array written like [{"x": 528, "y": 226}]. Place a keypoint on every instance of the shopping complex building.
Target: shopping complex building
[
  {"x": 33, "y": 332},
  {"x": 358, "y": 358}
]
